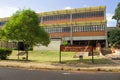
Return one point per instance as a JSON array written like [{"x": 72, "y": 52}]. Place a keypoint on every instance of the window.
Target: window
[
  {"x": 56, "y": 17},
  {"x": 88, "y": 14},
  {"x": 82, "y": 29},
  {"x": 75, "y": 15},
  {"x": 103, "y": 27},
  {"x": 66, "y": 29},
  {"x": 75, "y": 29}
]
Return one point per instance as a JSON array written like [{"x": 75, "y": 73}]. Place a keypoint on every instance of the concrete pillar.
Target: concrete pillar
[
  {"x": 41, "y": 19},
  {"x": 106, "y": 43},
  {"x": 71, "y": 35}
]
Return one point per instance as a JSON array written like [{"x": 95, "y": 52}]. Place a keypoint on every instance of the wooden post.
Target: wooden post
[
  {"x": 60, "y": 56},
  {"x": 18, "y": 54}
]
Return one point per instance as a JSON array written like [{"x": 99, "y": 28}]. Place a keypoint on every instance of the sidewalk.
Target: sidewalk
[{"x": 58, "y": 66}]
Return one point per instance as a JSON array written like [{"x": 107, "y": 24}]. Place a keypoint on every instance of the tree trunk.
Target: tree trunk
[
  {"x": 26, "y": 55},
  {"x": 26, "y": 50}
]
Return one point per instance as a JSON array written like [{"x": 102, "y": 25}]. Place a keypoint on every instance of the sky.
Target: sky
[{"x": 8, "y": 7}]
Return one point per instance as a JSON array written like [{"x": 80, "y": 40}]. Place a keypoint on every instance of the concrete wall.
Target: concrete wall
[
  {"x": 54, "y": 45},
  {"x": 5, "y": 44}
]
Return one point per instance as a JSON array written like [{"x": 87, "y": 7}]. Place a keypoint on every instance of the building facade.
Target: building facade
[{"x": 77, "y": 26}]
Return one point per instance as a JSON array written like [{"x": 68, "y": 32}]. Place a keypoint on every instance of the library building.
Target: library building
[{"x": 78, "y": 26}]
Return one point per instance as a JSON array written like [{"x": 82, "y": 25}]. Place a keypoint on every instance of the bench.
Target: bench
[
  {"x": 78, "y": 54},
  {"x": 21, "y": 53}
]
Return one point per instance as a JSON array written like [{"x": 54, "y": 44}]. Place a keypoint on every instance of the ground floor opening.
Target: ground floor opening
[{"x": 88, "y": 42}]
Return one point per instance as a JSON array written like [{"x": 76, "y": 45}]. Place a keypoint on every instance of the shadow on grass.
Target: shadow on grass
[
  {"x": 77, "y": 62},
  {"x": 18, "y": 60},
  {"x": 24, "y": 61},
  {"x": 85, "y": 62}
]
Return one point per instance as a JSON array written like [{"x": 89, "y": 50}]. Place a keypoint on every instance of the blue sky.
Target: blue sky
[{"x": 8, "y": 7}]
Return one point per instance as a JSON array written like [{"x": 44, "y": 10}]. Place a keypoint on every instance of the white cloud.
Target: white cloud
[
  {"x": 110, "y": 22},
  {"x": 40, "y": 11},
  {"x": 68, "y": 7},
  {"x": 85, "y": 5},
  {"x": 7, "y": 11}
]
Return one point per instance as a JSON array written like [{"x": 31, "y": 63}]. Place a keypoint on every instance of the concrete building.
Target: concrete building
[{"x": 77, "y": 26}]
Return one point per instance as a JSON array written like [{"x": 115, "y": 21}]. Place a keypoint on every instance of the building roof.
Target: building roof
[
  {"x": 76, "y": 10},
  {"x": 4, "y": 19}
]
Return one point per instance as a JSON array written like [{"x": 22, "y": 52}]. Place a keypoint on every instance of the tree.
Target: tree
[
  {"x": 23, "y": 26},
  {"x": 114, "y": 37},
  {"x": 117, "y": 14}
]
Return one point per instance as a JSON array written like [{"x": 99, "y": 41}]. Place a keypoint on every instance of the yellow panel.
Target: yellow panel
[
  {"x": 76, "y": 10},
  {"x": 76, "y": 23}
]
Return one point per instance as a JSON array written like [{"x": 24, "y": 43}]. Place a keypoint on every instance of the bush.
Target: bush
[
  {"x": 30, "y": 49},
  {"x": 4, "y": 52},
  {"x": 65, "y": 43}
]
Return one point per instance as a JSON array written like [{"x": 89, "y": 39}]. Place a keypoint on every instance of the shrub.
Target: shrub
[
  {"x": 65, "y": 43},
  {"x": 4, "y": 52}
]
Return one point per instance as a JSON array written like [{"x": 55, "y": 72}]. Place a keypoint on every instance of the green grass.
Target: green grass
[
  {"x": 44, "y": 56},
  {"x": 53, "y": 57}
]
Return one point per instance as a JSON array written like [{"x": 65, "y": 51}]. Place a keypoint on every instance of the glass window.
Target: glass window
[
  {"x": 103, "y": 27},
  {"x": 77, "y": 28},
  {"x": 81, "y": 28},
  {"x": 87, "y": 28},
  {"x": 44, "y": 19},
  {"x": 73, "y": 29},
  {"x": 94, "y": 28},
  {"x": 66, "y": 29},
  {"x": 55, "y": 17}
]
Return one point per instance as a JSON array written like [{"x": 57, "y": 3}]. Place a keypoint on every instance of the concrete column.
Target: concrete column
[
  {"x": 71, "y": 35},
  {"x": 106, "y": 34},
  {"x": 41, "y": 20},
  {"x": 106, "y": 43}
]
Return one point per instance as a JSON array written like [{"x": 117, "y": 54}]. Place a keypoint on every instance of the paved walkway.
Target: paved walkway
[
  {"x": 114, "y": 58},
  {"x": 58, "y": 66}
]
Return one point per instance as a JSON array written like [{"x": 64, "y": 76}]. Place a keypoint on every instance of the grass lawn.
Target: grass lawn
[{"x": 53, "y": 57}]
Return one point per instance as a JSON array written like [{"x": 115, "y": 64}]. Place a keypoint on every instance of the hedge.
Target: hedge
[{"x": 4, "y": 52}]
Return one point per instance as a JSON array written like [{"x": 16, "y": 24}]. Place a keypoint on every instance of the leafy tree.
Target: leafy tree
[
  {"x": 117, "y": 14},
  {"x": 114, "y": 37},
  {"x": 23, "y": 26}
]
